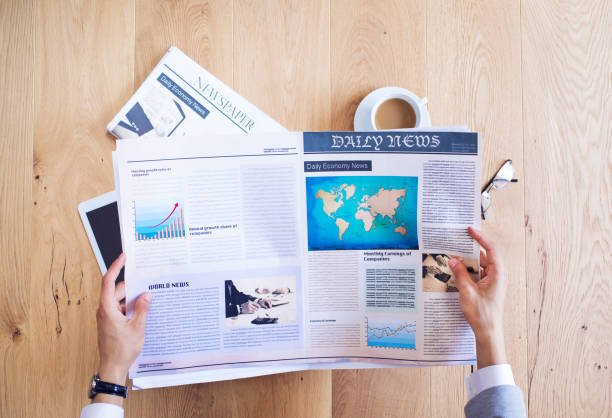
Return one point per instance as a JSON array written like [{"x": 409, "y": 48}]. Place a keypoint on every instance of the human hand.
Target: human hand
[
  {"x": 248, "y": 307},
  {"x": 281, "y": 291},
  {"x": 265, "y": 303},
  {"x": 120, "y": 339},
  {"x": 482, "y": 303}
]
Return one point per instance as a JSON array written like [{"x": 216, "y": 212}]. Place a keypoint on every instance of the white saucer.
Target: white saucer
[{"x": 363, "y": 114}]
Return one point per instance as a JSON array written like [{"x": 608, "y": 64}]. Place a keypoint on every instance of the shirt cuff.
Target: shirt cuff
[
  {"x": 487, "y": 377},
  {"x": 102, "y": 410}
]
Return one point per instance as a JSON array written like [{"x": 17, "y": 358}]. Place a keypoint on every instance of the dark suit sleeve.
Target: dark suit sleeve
[
  {"x": 499, "y": 401},
  {"x": 233, "y": 298},
  {"x": 240, "y": 298},
  {"x": 230, "y": 310}
]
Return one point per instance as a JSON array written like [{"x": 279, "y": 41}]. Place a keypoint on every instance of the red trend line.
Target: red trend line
[{"x": 168, "y": 217}]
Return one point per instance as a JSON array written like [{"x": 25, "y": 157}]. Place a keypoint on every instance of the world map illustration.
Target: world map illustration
[{"x": 362, "y": 212}]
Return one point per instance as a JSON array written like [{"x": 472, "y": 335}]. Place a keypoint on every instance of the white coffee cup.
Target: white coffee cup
[{"x": 365, "y": 116}]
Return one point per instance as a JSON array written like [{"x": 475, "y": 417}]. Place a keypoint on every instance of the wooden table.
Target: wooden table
[{"x": 533, "y": 77}]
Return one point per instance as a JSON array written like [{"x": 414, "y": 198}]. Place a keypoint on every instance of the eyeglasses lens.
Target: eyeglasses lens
[
  {"x": 501, "y": 179},
  {"x": 486, "y": 201},
  {"x": 504, "y": 175}
]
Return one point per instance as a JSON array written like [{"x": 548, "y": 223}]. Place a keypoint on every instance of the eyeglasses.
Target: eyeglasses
[{"x": 499, "y": 181}]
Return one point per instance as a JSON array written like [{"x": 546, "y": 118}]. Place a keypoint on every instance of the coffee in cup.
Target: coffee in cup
[
  {"x": 395, "y": 112},
  {"x": 391, "y": 108}
]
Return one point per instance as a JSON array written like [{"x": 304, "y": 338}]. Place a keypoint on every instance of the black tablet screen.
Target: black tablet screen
[{"x": 104, "y": 223}]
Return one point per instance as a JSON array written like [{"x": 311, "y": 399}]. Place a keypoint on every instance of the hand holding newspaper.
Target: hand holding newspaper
[{"x": 306, "y": 250}]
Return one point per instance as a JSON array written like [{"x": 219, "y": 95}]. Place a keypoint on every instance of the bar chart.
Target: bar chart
[{"x": 155, "y": 220}]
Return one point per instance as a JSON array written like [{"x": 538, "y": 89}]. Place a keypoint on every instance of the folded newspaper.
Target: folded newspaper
[
  {"x": 300, "y": 250},
  {"x": 180, "y": 98}
]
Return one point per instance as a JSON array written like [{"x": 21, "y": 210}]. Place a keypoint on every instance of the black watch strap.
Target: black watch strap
[{"x": 99, "y": 386}]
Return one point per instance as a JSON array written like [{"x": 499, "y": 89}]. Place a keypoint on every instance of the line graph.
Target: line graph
[
  {"x": 388, "y": 333},
  {"x": 156, "y": 220},
  {"x": 167, "y": 217}
]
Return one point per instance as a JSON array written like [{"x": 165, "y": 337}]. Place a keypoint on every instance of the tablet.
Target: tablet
[{"x": 100, "y": 217}]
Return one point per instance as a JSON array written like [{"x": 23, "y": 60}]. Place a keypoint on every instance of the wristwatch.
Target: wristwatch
[{"x": 99, "y": 386}]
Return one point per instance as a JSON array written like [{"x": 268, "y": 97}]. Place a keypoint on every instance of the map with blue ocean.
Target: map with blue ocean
[{"x": 362, "y": 212}]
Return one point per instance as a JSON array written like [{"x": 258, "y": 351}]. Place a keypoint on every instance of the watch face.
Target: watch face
[{"x": 94, "y": 381}]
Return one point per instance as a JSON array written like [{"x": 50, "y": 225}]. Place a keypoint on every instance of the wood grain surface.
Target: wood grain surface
[
  {"x": 567, "y": 95},
  {"x": 292, "y": 39},
  {"x": 16, "y": 143},
  {"x": 534, "y": 77}
]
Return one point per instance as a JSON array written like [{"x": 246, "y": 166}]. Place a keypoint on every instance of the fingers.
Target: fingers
[
  {"x": 141, "y": 309},
  {"x": 120, "y": 291},
  {"x": 487, "y": 244},
  {"x": 108, "y": 281},
  {"x": 252, "y": 307},
  {"x": 265, "y": 303},
  {"x": 483, "y": 259},
  {"x": 464, "y": 282}
]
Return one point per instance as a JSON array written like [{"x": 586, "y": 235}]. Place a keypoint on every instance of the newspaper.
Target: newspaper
[
  {"x": 180, "y": 98},
  {"x": 300, "y": 250}
]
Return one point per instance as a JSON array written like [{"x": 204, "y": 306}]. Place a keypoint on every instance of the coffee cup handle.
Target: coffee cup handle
[{"x": 423, "y": 101}]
